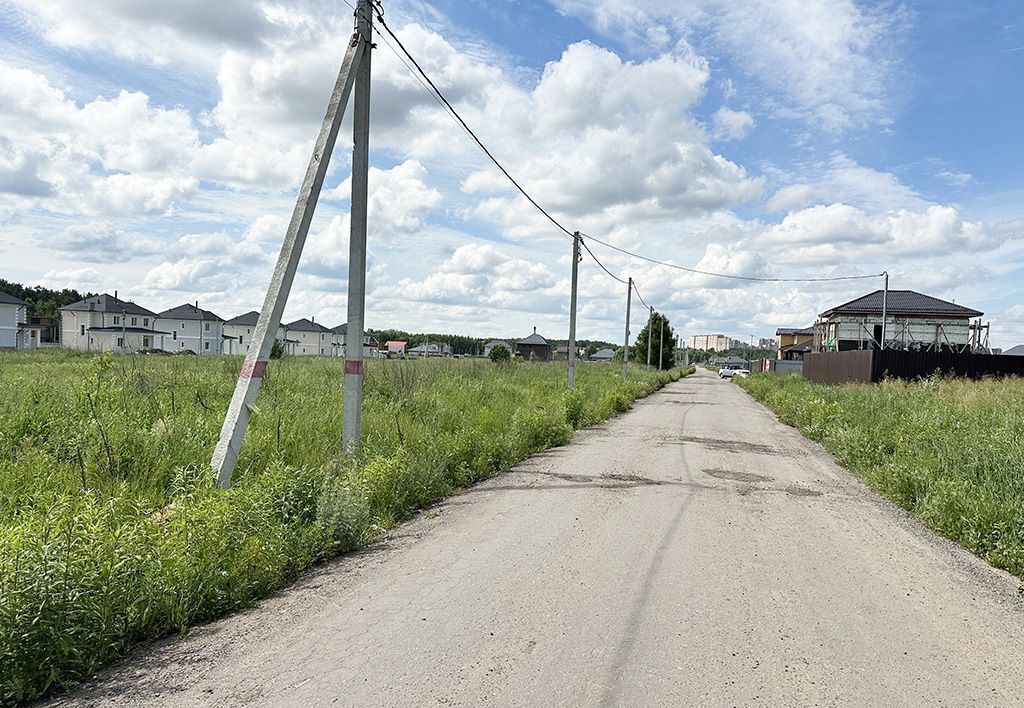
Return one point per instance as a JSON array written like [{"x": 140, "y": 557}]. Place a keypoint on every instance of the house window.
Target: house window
[
  {"x": 117, "y": 320},
  {"x": 321, "y": 350},
  {"x": 206, "y": 346},
  {"x": 81, "y": 330},
  {"x": 120, "y": 342},
  {"x": 248, "y": 331},
  {"x": 135, "y": 321},
  {"x": 174, "y": 335},
  {"x": 182, "y": 344},
  {"x": 146, "y": 342},
  {"x": 145, "y": 322},
  {"x": 239, "y": 339}
]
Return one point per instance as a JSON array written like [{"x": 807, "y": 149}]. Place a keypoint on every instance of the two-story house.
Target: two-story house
[
  {"x": 238, "y": 332},
  {"x": 15, "y": 333},
  {"x": 371, "y": 347},
  {"x": 192, "y": 329},
  {"x": 107, "y": 323},
  {"x": 304, "y": 337}
]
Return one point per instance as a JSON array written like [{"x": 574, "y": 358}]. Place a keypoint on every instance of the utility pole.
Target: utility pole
[
  {"x": 650, "y": 324},
  {"x": 885, "y": 303},
  {"x": 661, "y": 345},
  {"x": 625, "y": 342},
  {"x": 572, "y": 308},
  {"x": 353, "y": 395},
  {"x": 254, "y": 368}
]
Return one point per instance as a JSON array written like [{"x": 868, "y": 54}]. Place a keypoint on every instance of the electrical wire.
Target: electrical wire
[
  {"x": 428, "y": 85},
  {"x": 600, "y": 264},
  {"x": 726, "y": 275},
  {"x": 637, "y": 291}
]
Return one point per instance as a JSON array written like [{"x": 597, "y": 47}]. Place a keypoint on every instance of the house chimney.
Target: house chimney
[
  {"x": 197, "y": 306},
  {"x": 535, "y": 329},
  {"x": 115, "y": 294}
]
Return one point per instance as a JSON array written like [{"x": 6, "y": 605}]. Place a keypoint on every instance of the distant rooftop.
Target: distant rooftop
[
  {"x": 249, "y": 319},
  {"x": 188, "y": 311}
]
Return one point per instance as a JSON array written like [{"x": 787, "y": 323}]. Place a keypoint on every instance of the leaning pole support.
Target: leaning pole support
[{"x": 254, "y": 368}]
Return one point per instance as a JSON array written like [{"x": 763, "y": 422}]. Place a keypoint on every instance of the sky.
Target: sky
[{"x": 156, "y": 149}]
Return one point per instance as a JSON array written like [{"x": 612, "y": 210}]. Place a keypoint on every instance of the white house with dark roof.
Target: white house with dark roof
[
  {"x": 15, "y": 332},
  {"x": 913, "y": 321},
  {"x": 371, "y": 347},
  {"x": 238, "y": 332},
  {"x": 106, "y": 323},
  {"x": 306, "y": 337},
  {"x": 193, "y": 329}
]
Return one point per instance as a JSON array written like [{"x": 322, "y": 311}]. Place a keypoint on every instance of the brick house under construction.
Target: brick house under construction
[{"x": 913, "y": 322}]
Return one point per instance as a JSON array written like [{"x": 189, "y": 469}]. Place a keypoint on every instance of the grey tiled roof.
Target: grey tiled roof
[
  {"x": 793, "y": 330},
  {"x": 305, "y": 325},
  {"x": 249, "y": 319},
  {"x": 6, "y": 299},
  {"x": 108, "y": 303},
  {"x": 188, "y": 311},
  {"x": 533, "y": 339},
  {"x": 902, "y": 302}
]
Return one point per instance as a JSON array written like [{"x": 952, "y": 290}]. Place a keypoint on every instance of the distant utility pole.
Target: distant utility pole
[
  {"x": 885, "y": 303},
  {"x": 353, "y": 393},
  {"x": 254, "y": 368},
  {"x": 650, "y": 324},
  {"x": 625, "y": 342},
  {"x": 572, "y": 308},
  {"x": 661, "y": 344}
]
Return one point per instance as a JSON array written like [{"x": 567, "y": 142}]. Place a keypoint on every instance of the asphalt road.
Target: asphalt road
[{"x": 693, "y": 552}]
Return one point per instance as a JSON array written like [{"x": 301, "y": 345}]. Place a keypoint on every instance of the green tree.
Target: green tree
[
  {"x": 669, "y": 339},
  {"x": 499, "y": 354}
]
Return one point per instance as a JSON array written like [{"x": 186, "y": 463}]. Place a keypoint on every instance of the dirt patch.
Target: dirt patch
[
  {"x": 797, "y": 491},
  {"x": 736, "y": 476},
  {"x": 634, "y": 478},
  {"x": 719, "y": 444}
]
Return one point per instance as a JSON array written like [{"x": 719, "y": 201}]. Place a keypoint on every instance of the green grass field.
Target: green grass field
[
  {"x": 951, "y": 451},
  {"x": 111, "y": 531}
]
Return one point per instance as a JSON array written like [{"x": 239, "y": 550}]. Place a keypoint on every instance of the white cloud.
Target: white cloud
[
  {"x": 826, "y": 62},
  {"x": 732, "y": 125}
]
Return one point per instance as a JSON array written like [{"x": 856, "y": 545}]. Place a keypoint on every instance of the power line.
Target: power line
[
  {"x": 637, "y": 291},
  {"x": 465, "y": 126},
  {"x": 427, "y": 83},
  {"x": 599, "y": 263},
  {"x": 726, "y": 275}
]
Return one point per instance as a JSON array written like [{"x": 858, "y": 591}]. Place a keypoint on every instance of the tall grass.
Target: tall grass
[
  {"x": 951, "y": 451},
  {"x": 111, "y": 531}
]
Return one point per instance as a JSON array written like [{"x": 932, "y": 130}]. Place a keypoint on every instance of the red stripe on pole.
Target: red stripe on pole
[
  {"x": 353, "y": 367},
  {"x": 254, "y": 369}
]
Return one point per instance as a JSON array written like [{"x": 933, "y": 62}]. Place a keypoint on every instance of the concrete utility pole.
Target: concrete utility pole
[
  {"x": 885, "y": 303},
  {"x": 254, "y": 368},
  {"x": 661, "y": 345},
  {"x": 650, "y": 324},
  {"x": 625, "y": 342},
  {"x": 572, "y": 308},
  {"x": 352, "y": 423}
]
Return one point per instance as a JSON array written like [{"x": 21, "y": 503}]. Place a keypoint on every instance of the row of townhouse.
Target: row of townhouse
[{"x": 107, "y": 323}]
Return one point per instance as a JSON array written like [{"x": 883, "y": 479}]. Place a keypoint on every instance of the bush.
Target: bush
[{"x": 499, "y": 354}]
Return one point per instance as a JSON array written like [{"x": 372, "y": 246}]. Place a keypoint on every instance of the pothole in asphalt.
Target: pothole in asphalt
[
  {"x": 736, "y": 476},
  {"x": 796, "y": 491},
  {"x": 727, "y": 445}
]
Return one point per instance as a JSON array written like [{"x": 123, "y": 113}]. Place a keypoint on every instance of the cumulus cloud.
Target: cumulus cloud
[
  {"x": 825, "y": 62},
  {"x": 732, "y": 125}
]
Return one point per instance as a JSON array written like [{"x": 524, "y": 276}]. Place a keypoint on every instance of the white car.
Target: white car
[{"x": 727, "y": 372}]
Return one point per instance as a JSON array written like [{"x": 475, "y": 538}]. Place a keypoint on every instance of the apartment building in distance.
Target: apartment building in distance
[{"x": 713, "y": 342}]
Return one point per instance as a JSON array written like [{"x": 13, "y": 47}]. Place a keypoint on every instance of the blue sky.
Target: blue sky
[{"x": 155, "y": 149}]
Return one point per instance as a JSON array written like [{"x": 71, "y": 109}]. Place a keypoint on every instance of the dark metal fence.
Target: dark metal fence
[{"x": 869, "y": 366}]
